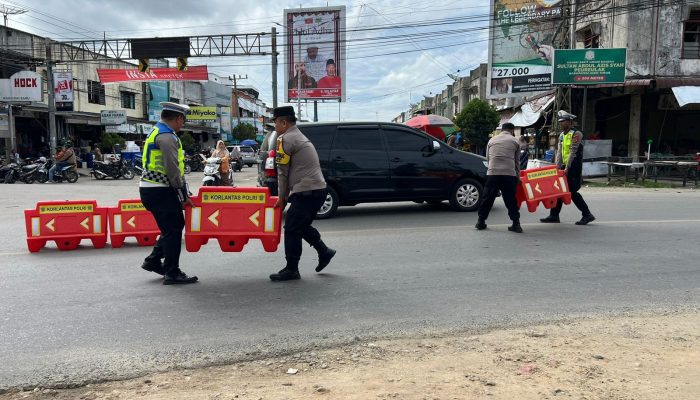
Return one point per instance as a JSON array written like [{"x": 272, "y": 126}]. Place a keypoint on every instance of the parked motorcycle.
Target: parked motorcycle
[
  {"x": 114, "y": 169},
  {"x": 31, "y": 171},
  {"x": 212, "y": 173},
  {"x": 9, "y": 173},
  {"x": 194, "y": 162},
  {"x": 67, "y": 173}
]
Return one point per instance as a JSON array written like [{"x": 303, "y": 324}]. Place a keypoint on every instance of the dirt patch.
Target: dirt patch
[{"x": 639, "y": 357}]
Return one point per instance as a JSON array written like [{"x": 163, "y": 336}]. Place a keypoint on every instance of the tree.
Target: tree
[
  {"x": 109, "y": 140},
  {"x": 476, "y": 121},
  {"x": 244, "y": 131},
  {"x": 187, "y": 142}
]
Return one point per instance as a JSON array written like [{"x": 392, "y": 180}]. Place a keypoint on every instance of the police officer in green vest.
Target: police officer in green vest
[
  {"x": 570, "y": 159},
  {"x": 164, "y": 192}
]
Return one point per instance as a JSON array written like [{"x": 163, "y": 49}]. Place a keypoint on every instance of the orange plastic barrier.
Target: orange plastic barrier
[
  {"x": 130, "y": 219},
  {"x": 66, "y": 223},
  {"x": 543, "y": 185},
  {"x": 233, "y": 216}
]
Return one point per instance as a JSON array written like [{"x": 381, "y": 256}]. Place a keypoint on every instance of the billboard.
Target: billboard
[
  {"x": 589, "y": 66},
  {"x": 520, "y": 46},
  {"x": 112, "y": 117},
  {"x": 63, "y": 90},
  {"x": 202, "y": 113},
  {"x": 315, "y": 53}
]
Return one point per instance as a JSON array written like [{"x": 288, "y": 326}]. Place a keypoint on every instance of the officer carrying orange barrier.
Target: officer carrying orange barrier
[
  {"x": 233, "y": 216},
  {"x": 66, "y": 223}
]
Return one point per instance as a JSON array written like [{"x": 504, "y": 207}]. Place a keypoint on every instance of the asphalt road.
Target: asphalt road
[{"x": 74, "y": 317}]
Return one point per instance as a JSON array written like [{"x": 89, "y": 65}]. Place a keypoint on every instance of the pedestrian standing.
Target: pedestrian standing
[
  {"x": 570, "y": 159},
  {"x": 301, "y": 183},
  {"x": 503, "y": 157},
  {"x": 164, "y": 192}
]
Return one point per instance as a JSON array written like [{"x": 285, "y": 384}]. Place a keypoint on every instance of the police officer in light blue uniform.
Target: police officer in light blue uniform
[{"x": 164, "y": 192}]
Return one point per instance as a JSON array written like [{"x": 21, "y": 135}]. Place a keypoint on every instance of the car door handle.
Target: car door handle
[
  {"x": 339, "y": 159},
  {"x": 396, "y": 159}
]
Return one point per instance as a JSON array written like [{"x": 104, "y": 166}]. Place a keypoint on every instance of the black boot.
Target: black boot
[
  {"x": 153, "y": 266},
  {"x": 480, "y": 224},
  {"x": 550, "y": 220},
  {"x": 586, "y": 219},
  {"x": 516, "y": 227},
  {"x": 325, "y": 254},
  {"x": 285, "y": 274}
]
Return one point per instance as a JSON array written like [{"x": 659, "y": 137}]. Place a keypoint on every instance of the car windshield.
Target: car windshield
[{"x": 247, "y": 149}]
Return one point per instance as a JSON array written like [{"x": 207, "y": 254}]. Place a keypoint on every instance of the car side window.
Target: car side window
[
  {"x": 358, "y": 139},
  {"x": 404, "y": 140},
  {"x": 320, "y": 136}
]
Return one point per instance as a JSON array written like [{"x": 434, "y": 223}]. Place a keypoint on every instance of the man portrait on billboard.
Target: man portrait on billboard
[
  {"x": 331, "y": 80},
  {"x": 315, "y": 62},
  {"x": 300, "y": 76}
]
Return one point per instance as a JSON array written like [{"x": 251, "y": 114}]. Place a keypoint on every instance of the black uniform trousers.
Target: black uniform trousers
[
  {"x": 166, "y": 208},
  {"x": 574, "y": 179},
  {"x": 507, "y": 185},
  {"x": 297, "y": 225}
]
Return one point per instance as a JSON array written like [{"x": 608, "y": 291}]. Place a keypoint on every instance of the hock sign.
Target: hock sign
[{"x": 22, "y": 86}]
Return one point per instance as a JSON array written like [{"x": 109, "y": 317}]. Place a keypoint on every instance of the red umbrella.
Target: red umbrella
[{"x": 434, "y": 125}]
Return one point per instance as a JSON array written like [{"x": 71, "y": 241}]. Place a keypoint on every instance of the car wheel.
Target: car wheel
[
  {"x": 329, "y": 206},
  {"x": 466, "y": 195},
  {"x": 249, "y": 165}
]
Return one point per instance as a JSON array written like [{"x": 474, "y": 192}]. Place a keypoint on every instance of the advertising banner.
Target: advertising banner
[
  {"x": 159, "y": 91},
  {"x": 22, "y": 86},
  {"x": 112, "y": 117},
  {"x": 520, "y": 51},
  {"x": 315, "y": 58},
  {"x": 200, "y": 113},
  {"x": 589, "y": 66},
  {"x": 63, "y": 90},
  {"x": 225, "y": 120},
  {"x": 198, "y": 73}
]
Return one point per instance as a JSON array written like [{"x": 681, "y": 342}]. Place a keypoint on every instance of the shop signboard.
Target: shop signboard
[
  {"x": 589, "y": 66},
  {"x": 202, "y": 113},
  {"x": 520, "y": 46},
  {"x": 24, "y": 86},
  {"x": 112, "y": 117},
  {"x": 315, "y": 53}
]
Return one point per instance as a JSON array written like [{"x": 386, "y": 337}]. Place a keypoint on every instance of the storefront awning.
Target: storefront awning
[
  {"x": 531, "y": 111},
  {"x": 687, "y": 95}
]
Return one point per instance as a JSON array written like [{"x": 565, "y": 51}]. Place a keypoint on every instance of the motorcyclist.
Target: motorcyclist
[
  {"x": 64, "y": 157},
  {"x": 224, "y": 167}
]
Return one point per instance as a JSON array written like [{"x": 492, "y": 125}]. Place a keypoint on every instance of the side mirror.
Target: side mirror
[{"x": 436, "y": 145}]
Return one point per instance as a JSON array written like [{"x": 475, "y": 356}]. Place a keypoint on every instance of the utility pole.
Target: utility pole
[
  {"x": 235, "y": 91},
  {"x": 51, "y": 100},
  {"x": 274, "y": 67},
  {"x": 5, "y": 11}
]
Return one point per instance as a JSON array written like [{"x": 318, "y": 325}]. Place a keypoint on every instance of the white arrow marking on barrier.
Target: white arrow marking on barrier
[
  {"x": 537, "y": 187},
  {"x": 254, "y": 218},
  {"x": 86, "y": 223},
  {"x": 50, "y": 225},
  {"x": 556, "y": 185},
  {"x": 213, "y": 218},
  {"x": 132, "y": 222}
]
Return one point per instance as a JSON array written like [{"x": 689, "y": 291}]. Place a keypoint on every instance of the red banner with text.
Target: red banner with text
[{"x": 199, "y": 73}]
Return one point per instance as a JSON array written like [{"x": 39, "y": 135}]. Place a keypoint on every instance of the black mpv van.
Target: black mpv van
[{"x": 370, "y": 162}]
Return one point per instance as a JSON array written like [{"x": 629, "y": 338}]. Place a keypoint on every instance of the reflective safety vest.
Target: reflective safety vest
[
  {"x": 565, "y": 140},
  {"x": 152, "y": 158}
]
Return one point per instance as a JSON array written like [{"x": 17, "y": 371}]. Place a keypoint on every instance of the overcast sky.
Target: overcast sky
[{"x": 391, "y": 62}]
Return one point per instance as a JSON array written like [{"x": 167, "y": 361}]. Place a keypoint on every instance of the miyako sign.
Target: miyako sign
[
  {"x": 198, "y": 113},
  {"x": 112, "y": 117},
  {"x": 589, "y": 66},
  {"x": 22, "y": 86}
]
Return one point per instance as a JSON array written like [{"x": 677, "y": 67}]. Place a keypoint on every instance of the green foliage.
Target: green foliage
[
  {"x": 187, "y": 142},
  {"x": 476, "y": 121},
  {"x": 109, "y": 140},
  {"x": 244, "y": 131}
]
